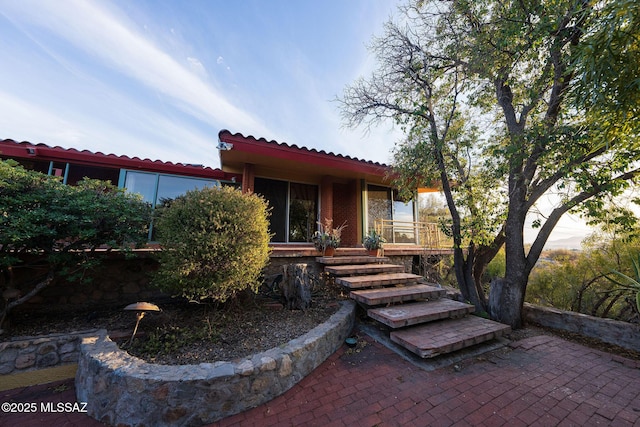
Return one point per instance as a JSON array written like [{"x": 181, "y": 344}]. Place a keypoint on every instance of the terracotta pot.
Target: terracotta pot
[
  {"x": 330, "y": 251},
  {"x": 375, "y": 252}
]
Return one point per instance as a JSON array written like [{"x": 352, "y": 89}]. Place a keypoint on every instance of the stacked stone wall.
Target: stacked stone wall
[
  {"x": 123, "y": 390},
  {"x": 22, "y": 354}
]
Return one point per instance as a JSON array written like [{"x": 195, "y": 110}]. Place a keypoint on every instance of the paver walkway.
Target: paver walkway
[{"x": 539, "y": 381}]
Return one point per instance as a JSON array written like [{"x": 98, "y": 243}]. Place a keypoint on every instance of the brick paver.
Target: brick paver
[
  {"x": 445, "y": 336},
  {"x": 539, "y": 381},
  {"x": 383, "y": 296},
  {"x": 385, "y": 279}
]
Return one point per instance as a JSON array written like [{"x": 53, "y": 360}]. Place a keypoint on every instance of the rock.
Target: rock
[
  {"x": 296, "y": 287},
  {"x": 25, "y": 360}
]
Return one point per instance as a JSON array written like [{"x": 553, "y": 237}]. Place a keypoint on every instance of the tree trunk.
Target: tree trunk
[
  {"x": 505, "y": 302},
  {"x": 463, "y": 268},
  {"x": 296, "y": 287}
]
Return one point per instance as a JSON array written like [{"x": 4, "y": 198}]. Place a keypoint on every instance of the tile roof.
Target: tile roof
[
  {"x": 11, "y": 148},
  {"x": 294, "y": 147}
]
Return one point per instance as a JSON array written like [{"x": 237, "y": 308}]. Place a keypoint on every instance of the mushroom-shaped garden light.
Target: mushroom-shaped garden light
[{"x": 140, "y": 308}]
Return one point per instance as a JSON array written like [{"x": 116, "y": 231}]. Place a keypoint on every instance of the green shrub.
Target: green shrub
[
  {"x": 496, "y": 268},
  {"x": 215, "y": 243},
  {"x": 63, "y": 225}
]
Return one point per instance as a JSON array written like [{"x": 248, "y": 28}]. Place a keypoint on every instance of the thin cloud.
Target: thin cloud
[
  {"x": 221, "y": 61},
  {"x": 74, "y": 130},
  {"x": 197, "y": 67},
  {"x": 106, "y": 36}
]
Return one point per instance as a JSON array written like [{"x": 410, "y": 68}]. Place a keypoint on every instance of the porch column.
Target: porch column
[
  {"x": 248, "y": 178},
  {"x": 326, "y": 199}
]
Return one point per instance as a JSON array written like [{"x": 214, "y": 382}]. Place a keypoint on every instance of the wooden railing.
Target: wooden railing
[{"x": 425, "y": 234}]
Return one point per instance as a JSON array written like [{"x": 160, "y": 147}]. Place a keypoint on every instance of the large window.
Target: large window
[
  {"x": 75, "y": 173},
  {"x": 393, "y": 216},
  {"x": 71, "y": 173},
  {"x": 294, "y": 209},
  {"x": 155, "y": 188}
]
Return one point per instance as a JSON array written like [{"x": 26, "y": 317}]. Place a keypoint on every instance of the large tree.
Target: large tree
[{"x": 504, "y": 103}]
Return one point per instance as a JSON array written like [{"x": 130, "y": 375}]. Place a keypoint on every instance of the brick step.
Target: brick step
[
  {"x": 396, "y": 294},
  {"x": 385, "y": 279},
  {"x": 347, "y": 270},
  {"x": 399, "y": 316},
  {"x": 445, "y": 336},
  {"x": 350, "y": 259}
]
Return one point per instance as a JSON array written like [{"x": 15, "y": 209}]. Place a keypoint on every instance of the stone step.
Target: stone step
[
  {"x": 385, "y": 279},
  {"x": 416, "y": 313},
  {"x": 397, "y": 294},
  {"x": 446, "y": 336},
  {"x": 350, "y": 259},
  {"x": 349, "y": 269}
]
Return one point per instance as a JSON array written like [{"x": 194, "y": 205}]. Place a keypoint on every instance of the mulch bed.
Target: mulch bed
[{"x": 187, "y": 333}]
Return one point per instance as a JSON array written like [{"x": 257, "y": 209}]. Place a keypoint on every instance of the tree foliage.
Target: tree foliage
[
  {"x": 60, "y": 227},
  {"x": 579, "y": 281},
  {"x": 502, "y": 103},
  {"x": 215, "y": 242}
]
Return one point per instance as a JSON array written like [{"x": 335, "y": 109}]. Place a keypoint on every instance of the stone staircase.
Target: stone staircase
[{"x": 417, "y": 314}]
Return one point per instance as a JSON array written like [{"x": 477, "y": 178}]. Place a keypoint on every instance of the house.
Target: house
[{"x": 303, "y": 186}]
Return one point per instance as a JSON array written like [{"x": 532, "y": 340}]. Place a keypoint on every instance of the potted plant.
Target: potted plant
[
  {"x": 374, "y": 243},
  {"x": 327, "y": 238}
]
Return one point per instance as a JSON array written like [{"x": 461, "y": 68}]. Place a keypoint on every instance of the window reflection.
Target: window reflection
[
  {"x": 397, "y": 215},
  {"x": 294, "y": 209},
  {"x": 142, "y": 183},
  {"x": 155, "y": 188},
  {"x": 170, "y": 187},
  {"x": 302, "y": 211}
]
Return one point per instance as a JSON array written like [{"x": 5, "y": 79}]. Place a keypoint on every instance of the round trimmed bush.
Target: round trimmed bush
[{"x": 215, "y": 242}]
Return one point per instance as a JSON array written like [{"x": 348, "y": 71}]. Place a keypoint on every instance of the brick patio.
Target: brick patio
[{"x": 540, "y": 381}]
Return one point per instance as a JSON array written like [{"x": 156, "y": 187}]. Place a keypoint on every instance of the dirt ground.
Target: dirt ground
[{"x": 187, "y": 333}]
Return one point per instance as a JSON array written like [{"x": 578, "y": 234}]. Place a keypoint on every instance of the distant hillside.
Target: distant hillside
[{"x": 568, "y": 243}]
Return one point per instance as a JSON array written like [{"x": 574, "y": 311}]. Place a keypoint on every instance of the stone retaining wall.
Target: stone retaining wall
[
  {"x": 614, "y": 332},
  {"x": 123, "y": 390},
  {"x": 22, "y": 354}
]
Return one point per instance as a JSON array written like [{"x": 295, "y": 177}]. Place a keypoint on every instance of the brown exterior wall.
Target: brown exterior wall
[
  {"x": 327, "y": 200},
  {"x": 119, "y": 282},
  {"x": 345, "y": 208},
  {"x": 248, "y": 178},
  {"x": 116, "y": 283}
]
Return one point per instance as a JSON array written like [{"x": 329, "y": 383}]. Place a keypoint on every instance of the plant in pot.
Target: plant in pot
[
  {"x": 374, "y": 243},
  {"x": 327, "y": 238}
]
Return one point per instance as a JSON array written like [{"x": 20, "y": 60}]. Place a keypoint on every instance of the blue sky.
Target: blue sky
[{"x": 159, "y": 79}]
